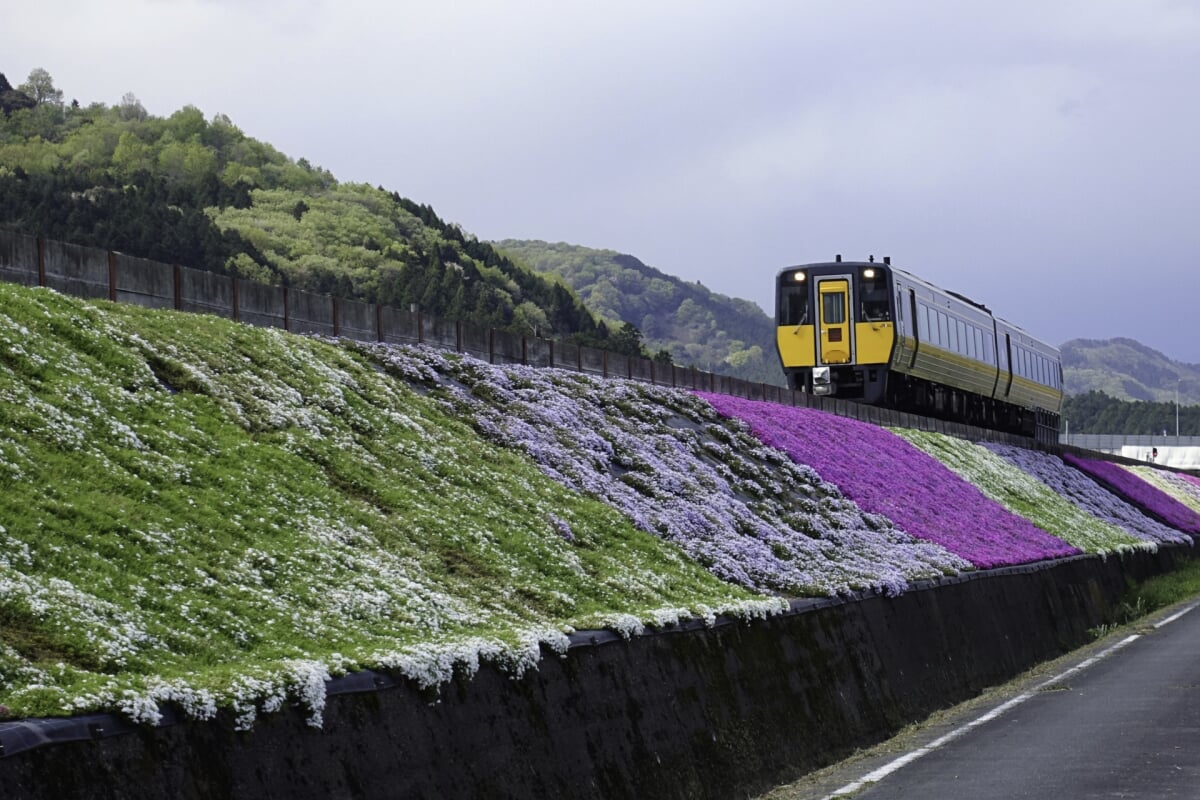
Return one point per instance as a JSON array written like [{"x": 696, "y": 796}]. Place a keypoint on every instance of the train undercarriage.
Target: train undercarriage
[{"x": 882, "y": 387}]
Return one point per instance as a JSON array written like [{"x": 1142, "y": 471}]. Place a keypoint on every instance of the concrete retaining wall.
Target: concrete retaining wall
[{"x": 694, "y": 713}]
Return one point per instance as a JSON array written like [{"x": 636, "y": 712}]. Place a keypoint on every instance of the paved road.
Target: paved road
[{"x": 1118, "y": 720}]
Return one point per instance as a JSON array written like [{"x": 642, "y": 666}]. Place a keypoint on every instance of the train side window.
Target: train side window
[
  {"x": 943, "y": 335},
  {"x": 793, "y": 306},
  {"x": 989, "y": 348}
]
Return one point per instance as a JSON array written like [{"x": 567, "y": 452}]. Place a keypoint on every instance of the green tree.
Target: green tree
[
  {"x": 40, "y": 87},
  {"x": 132, "y": 109},
  {"x": 628, "y": 341},
  {"x": 528, "y": 318}
]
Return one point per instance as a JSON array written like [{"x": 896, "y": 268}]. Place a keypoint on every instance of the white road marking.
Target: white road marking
[{"x": 887, "y": 769}]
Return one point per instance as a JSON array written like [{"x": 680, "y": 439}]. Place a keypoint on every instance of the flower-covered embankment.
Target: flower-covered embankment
[
  {"x": 221, "y": 516},
  {"x": 1022, "y": 493},
  {"x": 1149, "y": 498},
  {"x": 886, "y": 475},
  {"x": 1175, "y": 484},
  {"x": 1192, "y": 479},
  {"x": 1086, "y": 493},
  {"x": 679, "y": 471}
]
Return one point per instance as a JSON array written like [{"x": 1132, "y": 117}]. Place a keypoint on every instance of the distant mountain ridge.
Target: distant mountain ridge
[
  {"x": 1126, "y": 369},
  {"x": 696, "y": 326}
]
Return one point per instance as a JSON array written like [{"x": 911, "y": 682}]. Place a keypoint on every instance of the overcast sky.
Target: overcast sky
[{"x": 1039, "y": 156}]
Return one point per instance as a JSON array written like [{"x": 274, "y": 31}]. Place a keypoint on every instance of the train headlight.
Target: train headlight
[
  {"x": 868, "y": 273},
  {"x": 799, "y": 277}
]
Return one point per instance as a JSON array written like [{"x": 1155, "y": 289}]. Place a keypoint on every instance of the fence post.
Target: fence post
[
  {"x": 178, "y": 291},
  {"x": 41, "y": 248},
  {"x": 287, "y": 322},
  {"x": 112, "y": 276},
  {"x": 237, "y": 305},
  {"x": 335, "y": 307}
]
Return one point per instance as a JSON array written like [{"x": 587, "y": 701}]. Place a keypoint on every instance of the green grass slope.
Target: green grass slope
[{"x": 200, "y": 512}]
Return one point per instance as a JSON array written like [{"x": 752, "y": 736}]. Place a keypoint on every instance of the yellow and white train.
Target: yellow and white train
[{"x": 875, "y": 334}]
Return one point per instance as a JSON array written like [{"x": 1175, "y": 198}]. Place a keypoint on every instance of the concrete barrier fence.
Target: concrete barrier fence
[{"x": 98, "y": 274}]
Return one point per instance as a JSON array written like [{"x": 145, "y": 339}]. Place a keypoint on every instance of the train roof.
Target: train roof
[{"x": 886, "y": 264}]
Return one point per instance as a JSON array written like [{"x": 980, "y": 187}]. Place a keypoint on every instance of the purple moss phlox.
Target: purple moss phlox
[
  {"x": 679, "y": 471},
  {"x": 1085, "y": 492},
  {"x": 1134, "y": 490},
  {"x": 886, "y": 475}
]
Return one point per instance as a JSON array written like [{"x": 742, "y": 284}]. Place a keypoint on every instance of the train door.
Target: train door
[
  {"x": 835, "y": 336},
  {"x": 916, "y": 327},
  {"x": 1006, "y": 358}
]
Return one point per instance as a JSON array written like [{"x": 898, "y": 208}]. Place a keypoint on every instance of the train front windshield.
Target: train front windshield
[
  {"x": 875, "y": 296},
  {"x": 793, "y": 303}
]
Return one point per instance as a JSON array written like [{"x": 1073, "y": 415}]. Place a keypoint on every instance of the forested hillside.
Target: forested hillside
[
  {"x": 693, "y": 325},
  {"x": 1097, "y": 412},
  {"x": 1128, "y": 370},
  {"x": 199, "y": 192},
  {"x": 1121, "y": 386}
]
